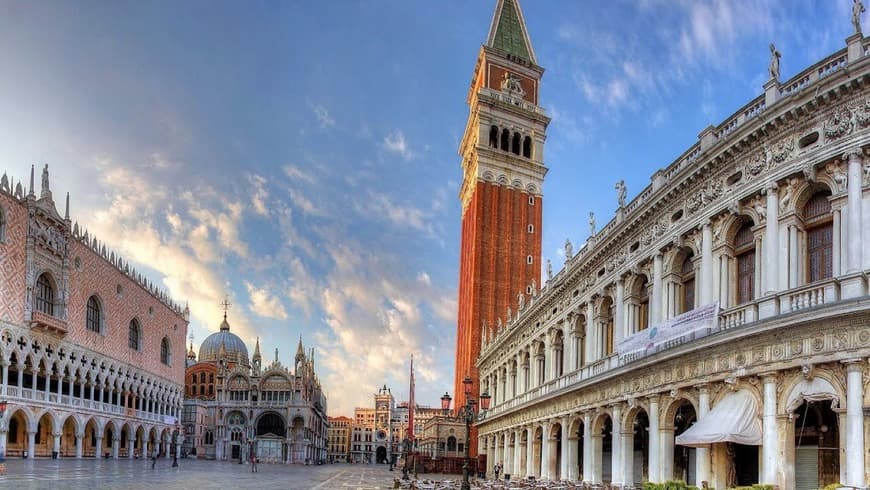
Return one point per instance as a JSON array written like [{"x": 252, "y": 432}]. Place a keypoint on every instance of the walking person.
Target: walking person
[
  {"x": 496, "y": 469},
  {"x": 254, "y": 464},
  {"x": 153, "y": 458}
]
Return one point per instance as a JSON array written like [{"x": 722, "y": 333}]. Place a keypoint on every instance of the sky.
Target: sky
[{"x": 300, "y": 157}]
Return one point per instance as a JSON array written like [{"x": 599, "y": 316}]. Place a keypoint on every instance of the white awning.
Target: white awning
[{"x": 734, "y": 419}]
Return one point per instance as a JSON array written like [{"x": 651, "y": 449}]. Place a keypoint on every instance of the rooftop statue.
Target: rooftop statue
[
  {"x": 620, "y": 193},
  {"x": 773, "y": 68},
  {"x": 857, "y": 10},
  {"x": 591, "y": 224}
]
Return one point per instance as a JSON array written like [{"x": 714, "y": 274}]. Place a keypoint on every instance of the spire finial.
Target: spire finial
[
  {"x": 66, "y": 213},
  {"x": 508, "y": 31},
  {"x": 276, "y": 354},
  {"x": 30, "y": 192},
  {"x": 226, "y": 304}
]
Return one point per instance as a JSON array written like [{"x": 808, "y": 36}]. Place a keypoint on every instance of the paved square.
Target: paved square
[{"x": 75, "y": 474}]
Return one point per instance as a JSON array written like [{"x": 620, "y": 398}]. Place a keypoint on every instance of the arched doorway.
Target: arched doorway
[
  {"x": 297, "y": 448},
  {"x": 16, "y": 437},
  {"x": 44, "y": 440},
  {"x": 637, "y": 447},
  {"x": 536, "y": 451},
  {"x": 271, "y": 434},
  {"x": 575, "y": 460},
  {"x": 68, "y": 438},
  {"x": 555, "y": 463},
  {"x": 139, "y": 447},
  {"x": 817, "y": 445},
  {"x": 381, "y": 455},
  {"x": 684, "y": 456}
]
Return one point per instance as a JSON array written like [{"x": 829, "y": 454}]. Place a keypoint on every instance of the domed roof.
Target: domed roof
[{"x": 236, "y": 351}]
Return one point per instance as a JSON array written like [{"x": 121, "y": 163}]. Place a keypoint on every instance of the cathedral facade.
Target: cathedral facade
[
  {"x": 236, "y": 406},
  {"x": 716, "y": 329},
  {"x": 91, "y": 353}
]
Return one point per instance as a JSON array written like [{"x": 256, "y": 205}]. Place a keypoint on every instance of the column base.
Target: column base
[{"x": 853, "y": 285}]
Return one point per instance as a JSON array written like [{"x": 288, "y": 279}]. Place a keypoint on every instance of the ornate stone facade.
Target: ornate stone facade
[
  {"x": 87, "y": 345},
  {"x": 741, "y": 271},
  {"x": 236, "y": 407}
]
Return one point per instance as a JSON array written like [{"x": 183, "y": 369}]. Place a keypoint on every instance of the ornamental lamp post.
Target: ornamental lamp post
[
  {"x": 445, "y": 403},
  {"x": 470, "y": 414}
]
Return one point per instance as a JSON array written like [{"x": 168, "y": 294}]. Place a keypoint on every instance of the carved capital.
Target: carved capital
[{"x": 853, "y": 154}]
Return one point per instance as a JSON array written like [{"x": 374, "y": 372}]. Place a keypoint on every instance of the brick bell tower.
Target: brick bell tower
[{"x": 503, "y": 165}]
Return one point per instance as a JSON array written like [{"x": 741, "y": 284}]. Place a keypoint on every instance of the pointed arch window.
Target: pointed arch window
[
  {"x": 744, "y": 250},
  {"x": 527, "y": 147},
  {"x": 165, "y": 351},
  {"x": 820, "y": 237},
  {"x": 44, "y": 300},
  {"x": 94, "y": 316},
  {"x": 515, "y": 144},
  {"x": 505, "y": 140},
  {"x": 134, "y": 337}
]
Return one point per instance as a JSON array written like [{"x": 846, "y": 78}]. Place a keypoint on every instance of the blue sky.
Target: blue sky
[{"x": 301, "y": 156}]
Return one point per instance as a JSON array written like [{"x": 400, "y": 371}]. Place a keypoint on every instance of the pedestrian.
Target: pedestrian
[
  {"x": 496, "y": 469},
  {"x": 254, "y": 464},
  {"x": 153, "y": 458}
]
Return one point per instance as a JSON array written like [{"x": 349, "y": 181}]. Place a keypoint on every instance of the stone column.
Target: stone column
[
  {"x": 590, "y": 331},
  {"x": 836, "y": 244},
  {"x": 706, "y": 272},
  {"x": 31, "y": 444},
  {"x": 517, "y": 466},
  {"x": 5, "y": 380},
  {"x": 656, "y": 300},
  {"x": 56, "y": 446},
  {"x": 793, "y": 254},
  {"x": 587, "y": 447},
  {"x": 702, "y": 454},
  {"x": 771, "y": 240},
  {"x": 530, "y": 451},
  {"x": 506, "y": 455},
  {"x": 3, "y": 435},
  {"x": 573, "y": 450},
  {"x": 853, "y": 203},
  {"x": 855, "y": 424},
  {"x": 769, "y": 437},
  {"x": 545, "y": 450},
  {"x": 79, "y": 437},
  {"x": 564, "y": 449},
  {"x": 116, "y": 444},
  {"x": 99, "y": 447},
  {"x": 597, "y": 457},
  {"x": 655, "y": 456},
  {"x": 666, "y": 441},
  {"x": 617, "y": 456},
  {"x": 130, "y": 448},
  {"x": 619, "y": 330}
]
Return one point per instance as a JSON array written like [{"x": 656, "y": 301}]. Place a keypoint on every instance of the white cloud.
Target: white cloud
[
  {"x": 295, "y": 173},
  {"x": 395, "y": 142},
  {"x": 264, "y": 303},
  {"x": 323, "y": 117},
  {"x": 381, "y": 206},
  {"x": 260, "y": 194}
]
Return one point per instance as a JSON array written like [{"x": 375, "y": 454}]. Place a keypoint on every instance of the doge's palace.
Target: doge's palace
[
  {"x": 717, "y": 328},
  {"x": 92, "y": 354}
]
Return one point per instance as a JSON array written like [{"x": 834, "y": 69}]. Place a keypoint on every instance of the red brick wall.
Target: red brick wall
[
  {"x": 192, "y": 388},
  {"x": 13, "y": 291},
  {"x": 493, "y": 269},
  {"x": 99, "y": 277}
]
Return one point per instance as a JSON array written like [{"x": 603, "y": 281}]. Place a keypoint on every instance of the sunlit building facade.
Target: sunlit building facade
[{"x": 717, "y": 328}]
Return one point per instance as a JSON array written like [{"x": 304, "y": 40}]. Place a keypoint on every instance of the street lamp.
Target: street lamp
[
  {"x": 445, "y": 403},
  {"x": 470, "y": 414}
]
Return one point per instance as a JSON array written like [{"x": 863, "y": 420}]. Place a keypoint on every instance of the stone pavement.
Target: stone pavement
[{"x": 90, "y": 474}]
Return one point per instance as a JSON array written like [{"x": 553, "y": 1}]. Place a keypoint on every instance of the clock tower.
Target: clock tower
[{"x": 503, "y": 175}]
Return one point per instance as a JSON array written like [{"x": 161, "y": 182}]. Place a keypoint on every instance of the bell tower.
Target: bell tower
[{"x": 503, "y": 174}]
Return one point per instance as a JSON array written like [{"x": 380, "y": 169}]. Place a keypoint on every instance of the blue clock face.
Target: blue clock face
[{"x": 382, "y": 434}]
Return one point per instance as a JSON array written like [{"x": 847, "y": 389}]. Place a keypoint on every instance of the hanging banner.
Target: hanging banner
[{"x": 680, "y": 329}]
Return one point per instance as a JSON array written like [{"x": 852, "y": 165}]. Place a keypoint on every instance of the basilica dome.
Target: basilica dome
[{"x": 236, "y": 351}]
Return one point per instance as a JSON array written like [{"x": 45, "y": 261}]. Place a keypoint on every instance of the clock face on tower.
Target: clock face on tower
[
  {"x": 382, "y": 406},
  {"x": 381, "y": 435}
]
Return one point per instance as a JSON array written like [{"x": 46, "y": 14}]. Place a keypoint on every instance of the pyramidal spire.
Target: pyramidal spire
[
  {"x": 257, "y": 349},
  {"x": 508, "y": 31},
  {"x": 300, "y": 351}
]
